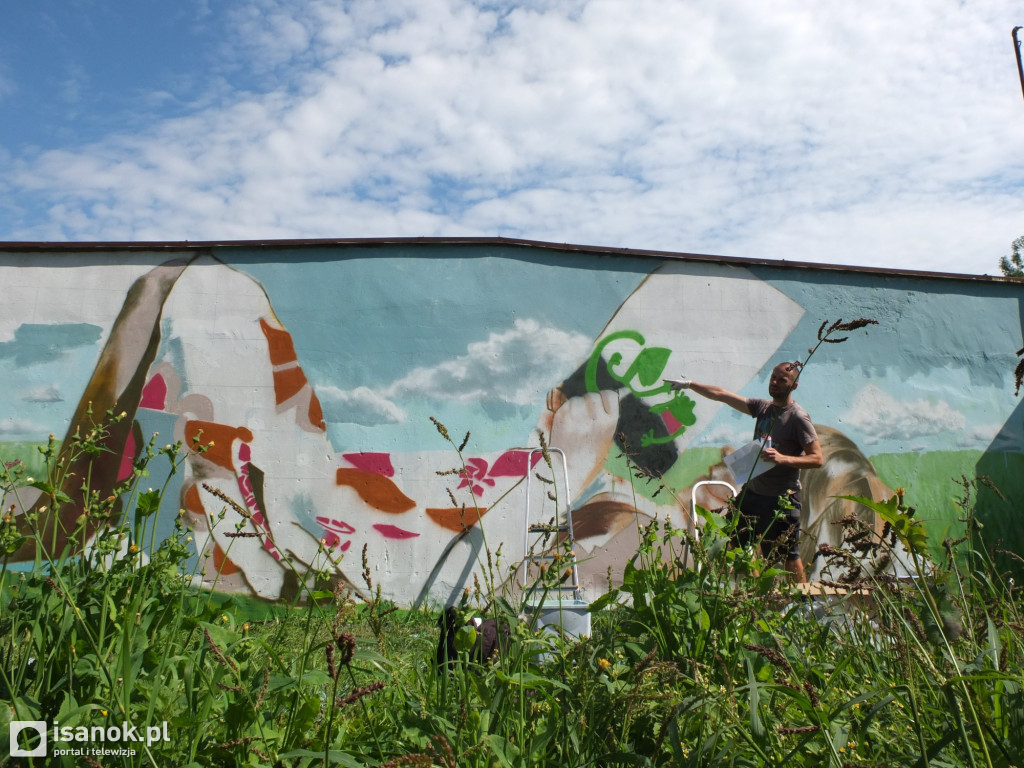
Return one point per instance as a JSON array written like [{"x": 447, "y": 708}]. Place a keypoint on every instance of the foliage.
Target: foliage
[
  {"x": 108, "y": 632},
  {"x": 1013, "y": 265}
]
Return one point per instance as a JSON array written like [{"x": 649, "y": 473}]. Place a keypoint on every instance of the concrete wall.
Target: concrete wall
[{"x": 318, "y": 370}]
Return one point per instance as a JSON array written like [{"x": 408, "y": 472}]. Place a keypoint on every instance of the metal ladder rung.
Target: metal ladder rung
[
  {"x": 569, "y": 585},
  {"x": 548, "y": 528}
]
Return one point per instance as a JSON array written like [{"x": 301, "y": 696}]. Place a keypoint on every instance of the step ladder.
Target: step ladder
[{"x": 559, "y": 607}]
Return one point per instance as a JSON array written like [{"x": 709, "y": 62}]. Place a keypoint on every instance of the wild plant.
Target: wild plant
[{"x": 106, "y": 629}]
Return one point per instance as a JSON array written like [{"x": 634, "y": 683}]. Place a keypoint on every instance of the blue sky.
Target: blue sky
[{"x": 867, "y": 133}]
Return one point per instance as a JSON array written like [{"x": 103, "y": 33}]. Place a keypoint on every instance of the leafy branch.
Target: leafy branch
[
  {"x": 825, "y": 332},
  {"x": 1018, "y": 373}
]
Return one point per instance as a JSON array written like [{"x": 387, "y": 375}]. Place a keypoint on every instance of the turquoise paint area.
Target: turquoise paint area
[
  {"x": 391, "y": 338},
  {"x": 921, "y": 322},
  {"x": 36, "y": 343},
  {"x": 43, "y": 371}
]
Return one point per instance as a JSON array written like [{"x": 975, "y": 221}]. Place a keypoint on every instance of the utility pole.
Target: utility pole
[{"x": 1016, "y": 50}]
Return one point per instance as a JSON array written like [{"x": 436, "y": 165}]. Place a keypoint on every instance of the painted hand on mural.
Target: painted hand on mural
[{"x": 584, "y": 428}]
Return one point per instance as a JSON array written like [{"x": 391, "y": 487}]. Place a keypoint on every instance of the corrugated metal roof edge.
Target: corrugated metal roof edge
[{"x": 190, "y": 245}]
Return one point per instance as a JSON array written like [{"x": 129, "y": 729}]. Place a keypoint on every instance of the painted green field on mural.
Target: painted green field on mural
[
  {"x": 28, "y": 454},
  {"x": 996, "y": 509}
]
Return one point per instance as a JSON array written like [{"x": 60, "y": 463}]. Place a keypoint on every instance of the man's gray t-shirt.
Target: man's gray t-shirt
[{"x": 791, "y": 429}]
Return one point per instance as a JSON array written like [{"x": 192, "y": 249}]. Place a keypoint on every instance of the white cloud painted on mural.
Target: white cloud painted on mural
[
  {"x": 512, "y": 367},
  {"x": 516, "y": 366},
  {"x": 358, "y": 406},
  {"x": 982, "y": 435},
  {"x": 21, "y": 428},
  {"x": 46, "y": 393},
  {"x": 880, "y": 416},
  {"x": 721, "y": 436}
]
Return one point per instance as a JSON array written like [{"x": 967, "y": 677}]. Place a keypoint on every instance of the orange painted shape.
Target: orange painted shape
[
  {"x": 192, "y": 502},
  {"x": 288, "y": 382},
  {"x": 377, "y": 491},
  {"x": 282, "y": 348},
  {"x": 316, "y": 412},
  {"x": 221, "y": 435},
  {"x": 222, "y": 563},
  {"x": 456, "y": 518}
]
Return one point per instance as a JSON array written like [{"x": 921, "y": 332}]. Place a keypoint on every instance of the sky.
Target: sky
[{"x": 876, "y": 133}]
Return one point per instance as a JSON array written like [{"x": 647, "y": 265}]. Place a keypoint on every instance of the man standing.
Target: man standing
[{"x": 794, "y": 446}]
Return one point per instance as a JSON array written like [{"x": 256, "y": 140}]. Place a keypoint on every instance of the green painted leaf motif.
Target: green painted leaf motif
[{"x": 649, "y": 366}]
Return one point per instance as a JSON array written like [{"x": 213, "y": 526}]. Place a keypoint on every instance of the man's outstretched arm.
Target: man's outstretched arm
[{"x": 712, "y": 392}]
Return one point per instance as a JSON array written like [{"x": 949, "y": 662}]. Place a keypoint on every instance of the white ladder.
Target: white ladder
[
  {"x": 565, "y": 610},
  {"x": 537, "y": 532}
]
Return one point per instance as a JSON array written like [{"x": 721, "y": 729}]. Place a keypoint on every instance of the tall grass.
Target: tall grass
[{"x": 704, "y": 656}]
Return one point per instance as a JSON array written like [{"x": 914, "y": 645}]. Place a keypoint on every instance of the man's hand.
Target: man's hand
[
  {"x": 677, "y": 384},
  {"x": 810, "y": 459}
]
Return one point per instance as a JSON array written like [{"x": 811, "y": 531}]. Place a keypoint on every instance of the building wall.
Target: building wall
[{"x": 321, "y": 374}]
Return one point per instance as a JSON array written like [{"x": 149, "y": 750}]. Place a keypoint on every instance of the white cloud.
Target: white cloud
[
  {"x": 358, "y": 406},
  {"x": 517, "y": 366},
  {"x": 981, "y": 436},
  {"x": 861, "y": 133},
  {"x": 46, "y": 393},
  {"x": 880, "y": 416},
  {"x": 14, "y": 427},
  {"x": 723, "y": 436}
]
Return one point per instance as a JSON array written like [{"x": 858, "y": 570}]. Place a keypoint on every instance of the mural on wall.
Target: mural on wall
[{"x": 314, "y": 378}]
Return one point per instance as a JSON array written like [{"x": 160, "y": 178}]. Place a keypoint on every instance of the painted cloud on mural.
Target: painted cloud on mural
[
  {"x": 511, "y": 367},
  {"x": 361, "y": 405},
  {"x": 881, "y": 416},
  {"x": 45, "y": 393}
]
